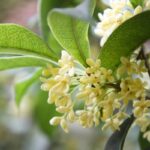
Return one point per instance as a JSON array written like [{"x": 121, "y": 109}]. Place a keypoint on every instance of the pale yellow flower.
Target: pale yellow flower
[
  {"x": 71, "y": 116},
  {"x": 59, "y": 89},
  {"x": 143, "y": 122},
  {"x": 131, "y": 89},
  {"x": 106, "y": 75},
  {"x": 96, "y": 115},
  {"x": 86, "y": 119},
  {"x": 64, "y": 125},
  {"x": 119, "y": 12},
  {"x": 147, "y": 4},
  {"x": 140, "y": 68},
  {"x": 50, "y": 71},
  {"x": 89, "y": 94},
  {"x": 127, "y": 67},
  {"x": 112, "y": 123},
  {"x": 140, "y": 107},
  {"x": 131, "y": 67},
  {"x": 63, "y": 100},
  {"x": 48, "y": 84},
  {"x": 67, "y": 64},
  {"x": 109, "y": 104}
]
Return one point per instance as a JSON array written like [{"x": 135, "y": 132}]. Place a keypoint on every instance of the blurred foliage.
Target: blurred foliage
[{"x": 43, "y": 112}]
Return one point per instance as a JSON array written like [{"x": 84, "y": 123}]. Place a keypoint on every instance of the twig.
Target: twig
[
  {"x": 114, "y": 85},
  {"x": 143, "y": 56}
]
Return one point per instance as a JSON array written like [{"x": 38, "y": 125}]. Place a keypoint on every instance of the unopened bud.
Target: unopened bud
[
  {"x": 55, "y": 121},
  {"x": 64, "y": 125}
]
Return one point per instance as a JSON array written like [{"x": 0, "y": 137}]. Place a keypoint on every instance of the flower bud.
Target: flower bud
[
  {"x": 55, "y": 121},
  {"x": 64, "y": 125}
]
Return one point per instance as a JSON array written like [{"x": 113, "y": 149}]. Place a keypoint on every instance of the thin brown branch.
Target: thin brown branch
[
  {"x": 142, "y": 55},
  {"x": 114, "y": 85}
]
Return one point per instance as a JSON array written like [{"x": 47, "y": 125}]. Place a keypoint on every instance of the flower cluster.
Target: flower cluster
[
  {"x": 94, "y": 94},
  {"x": 119, "y": 11},
  {"x": 57, "y": 83}
]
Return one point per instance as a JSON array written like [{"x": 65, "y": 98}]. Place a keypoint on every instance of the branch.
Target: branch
[{"x": 143, "y": 56}]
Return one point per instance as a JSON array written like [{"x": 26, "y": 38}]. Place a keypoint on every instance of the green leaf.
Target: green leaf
[
  {"x": 117, "y": 139},
  {"x": 22, "y": 87},
  {"x": 135, "y": 3},
  {"x": 44, "y": 7},
  {"x": 125, "y": 39},
  {"x": 72, "y": 32},
  {"x": 144, "y": 144},
  {"x": 43, "y": 112},
  {"x": 15, "y": 39},
  {"x": 53, "y": 44},
  {"x": 20, "y": 61}
]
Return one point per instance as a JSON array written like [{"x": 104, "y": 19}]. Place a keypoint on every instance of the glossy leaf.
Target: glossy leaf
[
  {"x": 20, "y": 61},
  {"x": 72, "y": 32},
  {"x": 22, "y": 86},
  {"x": 144, "y": 144},
  {"x": 15, "y": 39},
  {"x": 44, "y": 7},
  {"x": 125, "y": 39},
  {"x": 116, "y": 141},
  {"x": 135, "y": 3}
]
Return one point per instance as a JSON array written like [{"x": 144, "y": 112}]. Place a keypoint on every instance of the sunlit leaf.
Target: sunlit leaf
[
  {"x": 135, "y": 3},
  {"x": 70, "y": 30},
  {"x": 15, "y": 39},
  {"x": 44, "y": 7},
  {"x": 116, "y": 141},
  {"x": 125, "y": 39}
]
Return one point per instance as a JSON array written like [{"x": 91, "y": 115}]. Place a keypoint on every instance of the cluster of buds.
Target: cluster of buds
[
  {"x": 93, "y": 94},
  {"x": 119, "y": 12}
]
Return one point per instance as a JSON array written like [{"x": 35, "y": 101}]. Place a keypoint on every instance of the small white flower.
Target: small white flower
[{"x": 67, "y": 64}]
